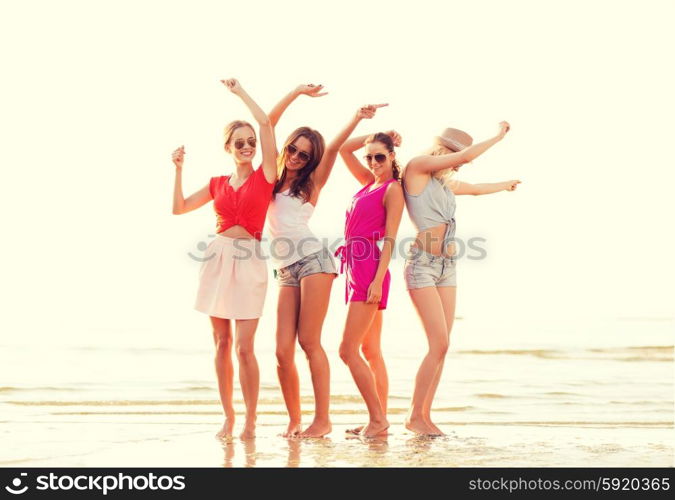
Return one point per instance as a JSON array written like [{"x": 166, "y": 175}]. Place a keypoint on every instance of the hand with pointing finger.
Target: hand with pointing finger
[
  {"x": 233, "y": 86},
  {"x": 511, "y": 185},
  {"x": 368, "y": 111}
]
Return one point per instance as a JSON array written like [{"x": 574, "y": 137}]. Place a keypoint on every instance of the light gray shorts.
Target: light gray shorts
[
  {"x": 317, "y": 262},
  {"x": 423, "y": 269}
]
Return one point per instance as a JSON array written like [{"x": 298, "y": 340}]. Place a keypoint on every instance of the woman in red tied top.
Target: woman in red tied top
[{"x": 233, "y": 274}]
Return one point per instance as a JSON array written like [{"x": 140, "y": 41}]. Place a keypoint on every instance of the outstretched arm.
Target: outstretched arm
[
  {"x": 324, "y": 168},
  {"x": 183, "y": 205},
  {"x": 268, "y": 144},
  {"x": 486, "y": 188},
  {"x": 309, "y": 89},
  {"x": 393, "y": 204},
  {"x": 358, "y": 170},
  {"x": 428, "y": 163}
]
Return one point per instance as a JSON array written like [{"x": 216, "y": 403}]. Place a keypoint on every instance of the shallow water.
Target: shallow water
[{"x": 591, "y": 402}]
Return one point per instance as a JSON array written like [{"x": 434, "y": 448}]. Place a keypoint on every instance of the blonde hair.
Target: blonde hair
[
  {"x": 232, "y": 126},
  {"x": 446, "y": 175}
]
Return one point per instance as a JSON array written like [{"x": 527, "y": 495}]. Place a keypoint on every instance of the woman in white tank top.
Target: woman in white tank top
[{"x": 303, "y": 267}]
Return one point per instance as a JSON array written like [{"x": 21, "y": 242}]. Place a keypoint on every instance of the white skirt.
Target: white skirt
[{"x": 232, "y": 279}]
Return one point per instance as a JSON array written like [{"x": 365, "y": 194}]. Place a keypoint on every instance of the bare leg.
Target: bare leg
[
  {"x": 429, "y": 400},
  {"x": 288, "y": 308},
  {"x": 372, "y": 351},
  {"x": 359, "y": 317},
  {"x": 222, "y": 338},
  {"x": 448, "y": 299},
  {"x": 314, "y": 298},
  {"x": 428, "y": 304},
  {"x": 249, "y": 375}
]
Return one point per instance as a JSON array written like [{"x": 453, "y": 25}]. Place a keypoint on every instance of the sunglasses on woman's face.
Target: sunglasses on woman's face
[
  {"x": 240, "y": 143},
  {"x": 379, "y": 158},
  {"x": 292, "y": 150}
]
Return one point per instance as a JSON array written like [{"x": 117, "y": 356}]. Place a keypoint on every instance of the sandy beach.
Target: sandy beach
[
  {"x": 160, "y": 444},
  {"x": 547, "y": 406}
]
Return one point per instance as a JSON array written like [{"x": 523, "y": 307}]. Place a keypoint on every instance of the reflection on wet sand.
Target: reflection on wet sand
[{"x": 229, "y": 445}]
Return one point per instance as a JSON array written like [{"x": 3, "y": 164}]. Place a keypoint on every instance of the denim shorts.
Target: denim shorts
[
  {"x": 317, "y": 262},
  {"x": 423, "y": 269}
]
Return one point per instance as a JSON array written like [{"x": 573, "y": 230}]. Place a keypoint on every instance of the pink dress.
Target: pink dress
[{"x": 360, "y": 255}]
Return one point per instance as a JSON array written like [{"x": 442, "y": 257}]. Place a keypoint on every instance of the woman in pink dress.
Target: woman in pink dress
[{"x": 374, "y": 215}]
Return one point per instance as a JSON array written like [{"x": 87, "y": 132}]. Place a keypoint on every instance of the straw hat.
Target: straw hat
[{"x": 454, "y": 139}]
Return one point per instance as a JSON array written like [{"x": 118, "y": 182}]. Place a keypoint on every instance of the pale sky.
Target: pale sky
[{"x": 96, "y": 95}]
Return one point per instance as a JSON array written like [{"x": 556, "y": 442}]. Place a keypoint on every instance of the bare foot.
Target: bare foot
[
  {"x": 293, "y": 429},
  {"x": 356, "y": 430},
  {"x": 435, "y": 430},
  {"x": 318, "y": 429},
  {"x": 226, "y": 431},
  {"x": 248, "y": 432},
  {"x": 418, "y": 426},
  {"x": 375, "y": 428}
]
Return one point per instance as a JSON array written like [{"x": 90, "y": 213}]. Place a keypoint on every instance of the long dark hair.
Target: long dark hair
[
  {"x": 389, "y": 144},
  {"x": 302, "y": 185}
]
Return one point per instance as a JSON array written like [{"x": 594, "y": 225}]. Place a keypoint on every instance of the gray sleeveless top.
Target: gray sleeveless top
[{"x": 434, "y": 206}]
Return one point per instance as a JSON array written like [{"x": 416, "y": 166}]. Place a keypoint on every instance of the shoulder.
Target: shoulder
[
  {"x": 217, "y": 182},
  {"x": 260, "y": 174},
  {"x": 394, "y": 190},
  {"x": 417, "y": 162}
]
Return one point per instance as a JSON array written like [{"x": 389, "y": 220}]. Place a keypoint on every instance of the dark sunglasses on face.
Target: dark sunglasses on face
[
  {"x": 379, "y": 158},
  {"x": 301, "y": 154},
  {"x": 239, "y": 143}
]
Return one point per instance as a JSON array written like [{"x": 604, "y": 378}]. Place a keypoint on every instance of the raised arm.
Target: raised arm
[
  {"x": 358, "y": 170},
  {"x": 324, "y": 168},
  {"x": 267, "y": 142},
  {"x": 428, "y": 163},
  {"x": 486, "y": 188},
  {"x": 184, "y": 205},
  {"x": 393, "y": 204},
  {"x": 309, "y": 89}
]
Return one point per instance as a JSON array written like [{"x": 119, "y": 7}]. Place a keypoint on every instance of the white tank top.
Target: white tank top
[{"x": 292, "y": 240}]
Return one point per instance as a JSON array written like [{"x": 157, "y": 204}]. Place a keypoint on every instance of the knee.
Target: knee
[
  {"x": 223, "y": 343},
  {"x": 371, "y": 353},
  {"x": 244, "y": 352},
  {"x": 309, "y": 346},
  {"x": 285, "y": 358},
  {"x": 440, "y": 349},
  {"x": 348, "y": 353}
]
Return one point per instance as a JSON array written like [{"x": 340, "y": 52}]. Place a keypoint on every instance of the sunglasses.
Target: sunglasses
[
  {"x": 379, "y": 158},
  {"x": 240, "y": 143},
  {"x": 292, "y": 150}
]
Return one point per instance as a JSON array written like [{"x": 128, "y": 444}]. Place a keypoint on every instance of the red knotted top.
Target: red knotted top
[{"x": 246, "y": 207}]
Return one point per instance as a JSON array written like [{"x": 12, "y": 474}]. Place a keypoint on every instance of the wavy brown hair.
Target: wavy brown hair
[
  {"x": 385, "y": 139},
  {"x": 302, "y": 186}
]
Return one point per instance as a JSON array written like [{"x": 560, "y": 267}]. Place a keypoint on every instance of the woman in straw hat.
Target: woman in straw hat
[{"x": 430, "y": 264}]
